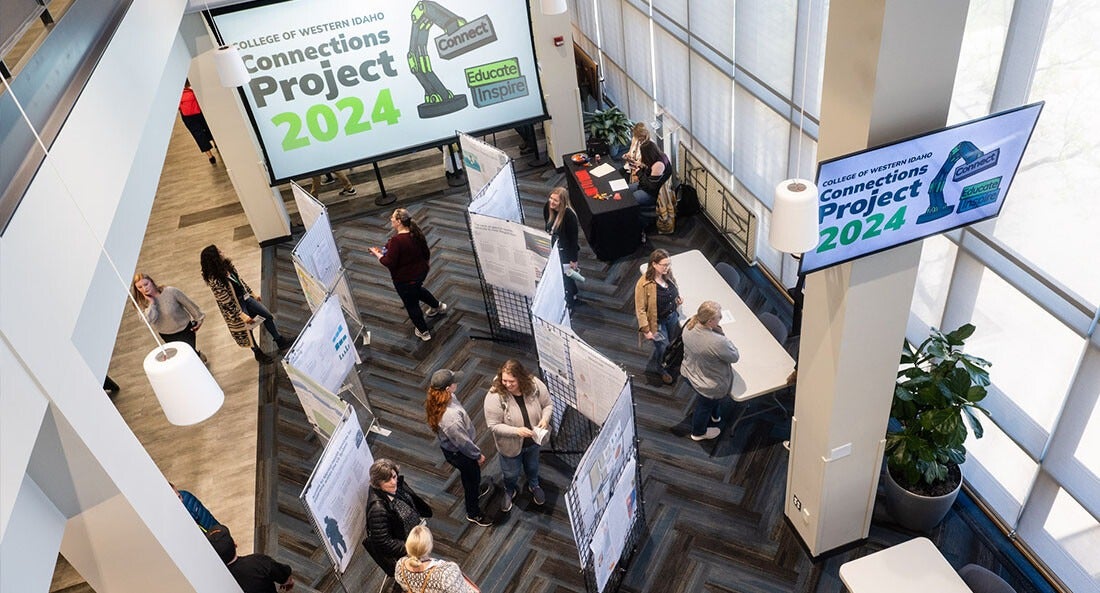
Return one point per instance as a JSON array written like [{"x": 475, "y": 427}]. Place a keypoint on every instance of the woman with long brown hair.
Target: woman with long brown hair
[
  {"x": 454, "y": 431},
  {"x": 561, "y": 223},
  {"x": 517, "y": 404},
  {"x": 406, "y": 256},
  {"x": 237, "y": 303},
  {"x": 656, "y": 298}
]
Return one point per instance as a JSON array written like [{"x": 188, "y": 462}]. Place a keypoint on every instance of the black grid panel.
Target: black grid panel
[{"x": 509, "y": 312}]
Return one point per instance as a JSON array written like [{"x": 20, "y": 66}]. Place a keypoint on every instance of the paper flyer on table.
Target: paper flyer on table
[
  {"x": 619, "y": 184},
  {"x": 604, "y": 169}
]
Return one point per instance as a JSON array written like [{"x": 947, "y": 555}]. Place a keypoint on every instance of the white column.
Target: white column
[
  {"x": 889, "y": 70},
  {"x": 557, "y": 70}
]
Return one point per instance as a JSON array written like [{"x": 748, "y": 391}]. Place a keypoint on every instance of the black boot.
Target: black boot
[
  {"x": 260, "y": 356},
  {"x": 284, "y": 343}
]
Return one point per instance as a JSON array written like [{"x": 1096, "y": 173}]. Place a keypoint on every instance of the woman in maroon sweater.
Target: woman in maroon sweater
[{"x": 406, "y": 256}]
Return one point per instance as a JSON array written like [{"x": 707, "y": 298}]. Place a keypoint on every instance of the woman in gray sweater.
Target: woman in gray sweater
[
  {"x": 708, "y": 354},
  {"x": 175, "y": 316}
]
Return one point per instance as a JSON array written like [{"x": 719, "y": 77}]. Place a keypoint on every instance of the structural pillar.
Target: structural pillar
[{"x": 889, "y": 71}]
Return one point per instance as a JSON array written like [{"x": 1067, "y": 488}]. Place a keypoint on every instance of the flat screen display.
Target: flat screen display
[
  {"x": 336, "y": 83},
  {"x": 903, "y": 192}
]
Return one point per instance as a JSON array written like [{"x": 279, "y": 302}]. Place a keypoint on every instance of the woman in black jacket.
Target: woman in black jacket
[
  {"x": 393, "y": 509},
  {"x": 561, "y": 223}
]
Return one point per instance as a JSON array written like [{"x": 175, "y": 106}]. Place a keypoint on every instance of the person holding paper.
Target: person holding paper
[
  {"x": 393, "y": 509},
  {"x": 237, "y": 303},
  {"x": 656, "y": 298},
  {"x": 518, "y": 411},
  {"x": 561, "y": 223},
  {"x": 455, "y": 433},
  {"x": 633, "y": 156},
  {"x": 175, "y": 316},
  {"x": 418, "y": 572},
  {"x": 708, "y": 354},
  {"x": 406, "y": 256}
]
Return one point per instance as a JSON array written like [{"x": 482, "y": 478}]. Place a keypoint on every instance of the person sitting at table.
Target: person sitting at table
[
  {"x": 561, "y": 223},
  {"x": 655, "y": 300},
  {"x": 633, "y": 157},
  {"x": 654, "y": 171},
  {"x": 708, "y": 354}
]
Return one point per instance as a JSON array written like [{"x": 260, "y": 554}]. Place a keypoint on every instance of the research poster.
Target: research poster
[
  {"x": 512, "y": 256},
  {"x": 597, "y": 381},
  {"x": 309, "y": 207},
  {"x": 601, "y": 465},
  {"x": 909, "y": 190},
  {"x": 323, "y": 351},
  {"x": 549, "y": 300},
  {"x": 609, "y": 540},
  {"x": 481, "y": 160},
  {"x": 335, "y": 82},
  {"x": 499, "y": 198},
  {"x": 323, "y": 409},
  {"x": 336, "y": 493},
  {"x": 312, "y": 288},
  {"x": 318, "y": 253}
]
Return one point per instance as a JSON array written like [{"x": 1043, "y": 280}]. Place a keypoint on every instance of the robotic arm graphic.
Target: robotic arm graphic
[
  {"x": 937, "y": 206},
  {"x": 438, "y": 99}
]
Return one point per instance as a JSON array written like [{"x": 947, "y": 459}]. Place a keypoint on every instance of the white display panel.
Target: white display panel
[
  {"x": 335, "y": 83},
  {"x": 903, "y": 192}
]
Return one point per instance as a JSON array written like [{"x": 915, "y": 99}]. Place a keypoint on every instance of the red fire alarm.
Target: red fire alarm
[{"x": 559, "y": 41}]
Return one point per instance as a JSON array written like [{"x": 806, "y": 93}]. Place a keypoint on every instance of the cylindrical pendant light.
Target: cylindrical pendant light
[
  {"x": 184, "y": 386},
  {"x": 794, "y": 217},
  {"x": 552, "y": 7},
  {"x": 230, "y": 66}
]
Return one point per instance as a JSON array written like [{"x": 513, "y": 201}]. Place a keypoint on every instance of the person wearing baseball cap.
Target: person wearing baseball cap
[{"x": 454, "y": 430}]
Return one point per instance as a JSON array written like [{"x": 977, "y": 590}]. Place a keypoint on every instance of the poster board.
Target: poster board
[
  {"x": 323, "y": 409},
  {"x": 318, "y": 266},
  {"x": 323, "y": 350},
  {"x": 512, "y": 256},
  {"x": 333, "y": 83},
  {"x": 481, "y": 160},
  {"x": 309, "y": 207},
  {"x": 499, "y": 198},
  {"x": 549, "y": 300},
  {"x": 336, "y": 493}
]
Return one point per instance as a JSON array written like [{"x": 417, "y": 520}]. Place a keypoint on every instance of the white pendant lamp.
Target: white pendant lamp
[
  {"x": 230, "y": 66},
  {"x": 186, "y": 390},
  {"x": 552, "y": 7},
  {"x": 794, "y": 217}
]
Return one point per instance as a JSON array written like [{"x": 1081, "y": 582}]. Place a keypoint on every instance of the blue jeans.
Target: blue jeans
[
  {"x": 670, "y": 328},
  {"x": 528, "y": 460},
  {"x": 252, "y": 308},
  {"x": 705, "y": 408}
]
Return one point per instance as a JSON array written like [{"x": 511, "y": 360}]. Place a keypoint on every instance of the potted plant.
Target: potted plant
[
  {"x": 610, "y": 126},
  {"x": 935, "y": 397}
]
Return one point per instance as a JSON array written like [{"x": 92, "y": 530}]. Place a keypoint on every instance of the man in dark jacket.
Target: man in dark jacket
[
  {"x": 393, "y": 509},
  {"x": 255, "y": 573}
]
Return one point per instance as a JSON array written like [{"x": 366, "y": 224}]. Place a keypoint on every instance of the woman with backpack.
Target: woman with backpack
[{"x": 406, "y": 256}]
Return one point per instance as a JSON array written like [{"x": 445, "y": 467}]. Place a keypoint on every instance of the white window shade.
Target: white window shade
[
  {"x": 640, "y": 103},
  {"x": 611, "y": 30},
  {"x": 711, "y": 110},
  {"x": 765, "y": 41},
  {"x": 584, "y": 15},
  {"x": 615, "y": 84},
  {"x": 760, "y": 145},
  {"x": 639, "y": 45},
  {"x": 712, "y": 22},
  {"x": 673, "y": 85},
  {"x": 813, "y": 14},
  {"x": 675, "y": 10}
]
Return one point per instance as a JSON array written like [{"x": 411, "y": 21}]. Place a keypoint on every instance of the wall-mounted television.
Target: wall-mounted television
[
  {"x": 905, "y": 191},
  {"x": 337, "y": 83}
]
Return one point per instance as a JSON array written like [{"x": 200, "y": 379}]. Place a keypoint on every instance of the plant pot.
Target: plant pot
[{"x": 914, "y": 511}]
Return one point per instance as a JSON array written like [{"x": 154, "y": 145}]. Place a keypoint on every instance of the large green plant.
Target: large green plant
[
  {"x": 937, "y": 387},
  {"x": 610, "y": 125}
]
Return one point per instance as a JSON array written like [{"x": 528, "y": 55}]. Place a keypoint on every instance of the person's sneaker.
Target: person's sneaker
[
  {"x": 716, "y": 419},
  {"x": 437, "y": 311},
  {"x": 506, "y": 504},
  {"x": 328, "y": 179},
  {"x": 485, "y": 490},
  {"x": 709, "y": 434},
  {"x": 423, "y": 335},
  {"x": 284, "y": 343},
  {"x": 481, "y": 520},
  {"x": 202, "y": 357},
  {"x": 538, "y": 494},
  {"x": 347, "y": 191}
]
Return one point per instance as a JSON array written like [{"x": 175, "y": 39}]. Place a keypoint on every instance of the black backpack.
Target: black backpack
[
  {"x": 687, "y": 203},
  {"x": 674, "y": 354}
]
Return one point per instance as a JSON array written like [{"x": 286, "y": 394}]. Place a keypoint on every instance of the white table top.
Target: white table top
[
  {"x": 764, "y": 366},
  {"x": 915, "y": 566}
]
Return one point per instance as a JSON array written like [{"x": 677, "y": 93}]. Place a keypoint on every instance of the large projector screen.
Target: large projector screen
[
  {"x": 335, "y": 83},
  {"x": 911, "y": 189}
]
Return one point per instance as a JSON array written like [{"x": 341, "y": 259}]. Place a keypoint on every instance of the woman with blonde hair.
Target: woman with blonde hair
[
  {"x": 454, "y": 431},
  {"x": 561, "y": 223},
  {"x": 175, "y": 316},
  {"x": 516, "y": 405},
  {"x": 406, "y": 256},
  {"x": 708, "y": 356},
  {"x": 418, "y": 572},
  {"x": 633, "y": 156},
  {"x": 656, "y": 298}
]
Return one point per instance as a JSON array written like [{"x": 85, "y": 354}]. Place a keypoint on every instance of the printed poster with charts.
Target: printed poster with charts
[
  {"x": 482, "y": 161},
  {"x": 336, "y": 493},
  {"x": 512, "y": 256},
  {"x": 323, "y": 351}
]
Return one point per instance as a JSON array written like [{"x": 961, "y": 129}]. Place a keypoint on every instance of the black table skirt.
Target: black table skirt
[{"x": 612, "y": 227}]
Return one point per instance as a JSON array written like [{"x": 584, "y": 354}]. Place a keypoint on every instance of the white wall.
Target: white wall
[{"x": 60, "y": 304}]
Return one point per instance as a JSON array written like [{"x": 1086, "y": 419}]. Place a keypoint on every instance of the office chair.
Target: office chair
[
  {"x": 982, "y": 580},
  {"x": 730, "y": 275},
  {"x": 775, "y": 327}
]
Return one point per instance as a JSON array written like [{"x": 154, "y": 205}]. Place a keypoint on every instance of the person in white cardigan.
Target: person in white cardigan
[
  {"x": 518, "y": 405},
  {"x": 708, "y": 354}
]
